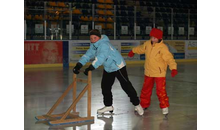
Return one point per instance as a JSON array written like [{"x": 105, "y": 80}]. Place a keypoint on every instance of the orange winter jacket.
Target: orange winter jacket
[{"x": 157, "y": 57}]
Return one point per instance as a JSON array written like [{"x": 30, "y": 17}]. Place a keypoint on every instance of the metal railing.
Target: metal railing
[{"x": 72, "y": 22}]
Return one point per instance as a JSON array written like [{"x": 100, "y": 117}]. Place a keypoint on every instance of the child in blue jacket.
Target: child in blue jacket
[{"x": 114, "y": 66}]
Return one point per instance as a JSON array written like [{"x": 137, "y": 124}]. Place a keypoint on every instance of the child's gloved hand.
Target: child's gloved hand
[
  {"x": 131, "y": 54},
  {"x": 90, "y": 68},
  {"x": 77, "y": 68},
  {"x": 174, "y": 73}
]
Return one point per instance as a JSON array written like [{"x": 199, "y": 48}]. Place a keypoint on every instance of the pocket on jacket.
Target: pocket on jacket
[{"x": 108, "y": 62}]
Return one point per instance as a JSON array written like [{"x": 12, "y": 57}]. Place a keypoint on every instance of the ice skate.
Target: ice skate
[
  {"x": 139, "y": 109},
  {"x": 165, "y": 112},
  {"x": 105, "y": 109}
]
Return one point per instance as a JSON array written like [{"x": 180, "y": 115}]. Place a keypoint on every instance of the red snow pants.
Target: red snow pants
[{"x": 146, "y": 91}]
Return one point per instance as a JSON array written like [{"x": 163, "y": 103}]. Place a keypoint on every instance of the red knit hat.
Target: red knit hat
[{"x": 156, "y": 33}]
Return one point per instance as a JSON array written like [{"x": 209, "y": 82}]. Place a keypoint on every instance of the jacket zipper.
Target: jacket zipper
[
  {"x": 160, "y": 69},
  {"x": 95, "y": 47},
  {"x": 150, "y": 55}
]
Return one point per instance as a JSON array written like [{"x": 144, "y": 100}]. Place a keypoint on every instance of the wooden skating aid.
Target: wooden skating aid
[{"x": 73, "y": 117}]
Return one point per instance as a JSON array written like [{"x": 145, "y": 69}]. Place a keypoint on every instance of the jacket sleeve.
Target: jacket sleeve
[
  {"x": 140, "y": 49},
  {"x": 102, "y": 55},
  {"x": 168, "y": 58},
  {"x": 86, "y": 57}
]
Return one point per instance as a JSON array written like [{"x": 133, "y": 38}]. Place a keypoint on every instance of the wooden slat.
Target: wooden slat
[
  {"x": 89, "y": 94},
  {"x": 74, "y": 113},
  {"x": 57, "y": 115},
  {"x": 50, "y": 117},
  {"x": 45, "y": 117},
  {"x": 74, "y": 91},
  {"x": 73, "y": 116},
  {"x": 41, "y": 118},
  {"x": 82, "y": 80}
]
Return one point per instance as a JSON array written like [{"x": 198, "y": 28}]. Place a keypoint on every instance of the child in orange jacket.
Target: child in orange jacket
[{"x": 157, "y": 58}]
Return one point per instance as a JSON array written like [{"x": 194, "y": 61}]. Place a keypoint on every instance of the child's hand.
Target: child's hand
[
  {"x": 131, "y": 54},
  {"x": 90, "y": 68},
  {"x": 174, "y": 73},
  {"x": 86, "y": 71},
  {"x": 77, "y": 68}
]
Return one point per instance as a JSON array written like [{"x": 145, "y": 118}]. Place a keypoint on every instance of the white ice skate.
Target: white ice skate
[
  {"x": 139, "y": 109},
  {"x": 105, "y": 109},
  {"x": 165, "y": 111}
]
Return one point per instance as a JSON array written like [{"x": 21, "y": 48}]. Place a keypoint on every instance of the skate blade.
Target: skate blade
[
  {"x": 105, "y": 113},
  {"x": 165, "y": 117},
  {"x": 110, "y": 113},
  {"x": 136, "y": 113}
]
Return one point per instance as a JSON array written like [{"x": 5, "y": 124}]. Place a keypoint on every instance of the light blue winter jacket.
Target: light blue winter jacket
[{"x": 105, "y": 54}]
